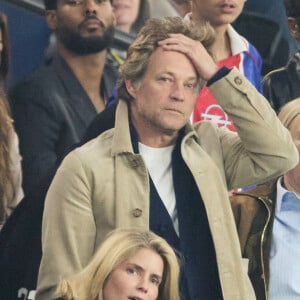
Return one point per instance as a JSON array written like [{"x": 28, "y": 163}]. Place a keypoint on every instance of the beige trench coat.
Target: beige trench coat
[{"x": 103, "y": 185}]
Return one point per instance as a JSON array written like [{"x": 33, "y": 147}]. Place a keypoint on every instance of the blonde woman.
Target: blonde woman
[{"x": 130, "y": 264}]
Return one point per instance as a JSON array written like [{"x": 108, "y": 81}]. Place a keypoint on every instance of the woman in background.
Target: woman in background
[
  {"x": 182, "y": 6},
  {"x": 10, "y": 161},
  {"x": 130, "y": 264},
  {"x": 131, "y": 15}
]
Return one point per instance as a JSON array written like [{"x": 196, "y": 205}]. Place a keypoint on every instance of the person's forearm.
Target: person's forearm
[{"x": 266, "y": 145}]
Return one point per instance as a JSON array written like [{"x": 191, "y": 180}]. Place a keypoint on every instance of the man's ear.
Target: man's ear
[
  {"x": 51, "y": 19},
  {"x": 293, "y": 27},
  {"x": 131, "y": 88}
]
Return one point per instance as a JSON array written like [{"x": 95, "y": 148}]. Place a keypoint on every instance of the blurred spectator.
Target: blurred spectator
[
  {"x": 268, "y": 223},
  {"x": 161, "y": 9},
  {"x": 229, "y": 49},
  {"x": 130, "y": 264},
  {"x": 10, "y": 160},
  {"x": 182, "y": 6},
  {"x": 269, "y": 42},
  {"x": 283, "y": 84},
  {"x": 28, "y": 35},
  {"x": 275, "y": 11},
  {"x": 54, "y": 106},
  {"x": 130, "y": 17},
  {"x": 131, "y": 14}
]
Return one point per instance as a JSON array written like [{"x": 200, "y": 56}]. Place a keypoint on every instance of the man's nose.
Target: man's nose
[
  {"x": 177, "y": 92},
  {"x": 90, "y": 7}
]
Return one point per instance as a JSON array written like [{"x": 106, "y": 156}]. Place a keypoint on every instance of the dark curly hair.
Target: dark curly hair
[
  {"x": 50, "y": 4},
  {"x": 292, "y": 8}
]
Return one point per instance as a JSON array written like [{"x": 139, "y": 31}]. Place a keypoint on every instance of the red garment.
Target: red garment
[{"x": 207, "y": 107}]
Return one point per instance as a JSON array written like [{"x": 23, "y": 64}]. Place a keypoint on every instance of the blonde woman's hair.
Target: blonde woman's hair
[
  {"x": 4, "y": 55},
  {"x": 289, "y": 112},
  {"x": 6, "y": 127},
  {"x": 119, "y": 246}
]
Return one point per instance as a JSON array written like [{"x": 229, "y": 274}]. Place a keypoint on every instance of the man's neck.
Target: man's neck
[
  {"x": 291, "y": 181},
  {"x": 158, "y": 141},
  {"x": 89, "y": 70},
  {"x": 148, "y": 136},
  {"x": 221, "y": 47}
]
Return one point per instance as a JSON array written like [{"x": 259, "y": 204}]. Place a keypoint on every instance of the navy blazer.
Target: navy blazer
[{"x": 52, "y": 112}]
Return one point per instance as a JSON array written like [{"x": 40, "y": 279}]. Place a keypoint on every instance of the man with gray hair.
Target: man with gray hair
[{"x": 154, "y": 170}]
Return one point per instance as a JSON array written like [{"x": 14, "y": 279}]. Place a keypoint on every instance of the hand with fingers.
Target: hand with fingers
[{"x": 194, "y": 50}]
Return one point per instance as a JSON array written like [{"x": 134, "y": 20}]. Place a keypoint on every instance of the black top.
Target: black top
[{"x": 282, "y": 85}]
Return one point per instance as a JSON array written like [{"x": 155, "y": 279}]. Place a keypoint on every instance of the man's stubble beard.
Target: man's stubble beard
[{"x": 74, "y": 42}]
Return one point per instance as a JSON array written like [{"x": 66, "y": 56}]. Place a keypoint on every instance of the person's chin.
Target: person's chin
[
  {"x": 92, "y": 32},
  {"x": 170, "y": 128}
]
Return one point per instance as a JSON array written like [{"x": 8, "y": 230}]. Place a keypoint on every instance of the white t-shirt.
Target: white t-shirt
[{"x": 159, "y": 165}]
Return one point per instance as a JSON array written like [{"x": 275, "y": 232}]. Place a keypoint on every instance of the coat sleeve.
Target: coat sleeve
[
  {"x": 37, "y": 126},
  {"x": 263, "y": 148},
  {"x": 68, "y": 229}
]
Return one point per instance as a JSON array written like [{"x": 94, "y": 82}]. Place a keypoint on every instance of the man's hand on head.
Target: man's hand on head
[{"x": 194, "y": 50}]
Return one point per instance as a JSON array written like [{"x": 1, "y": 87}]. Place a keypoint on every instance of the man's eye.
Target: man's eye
[
  {"x": 74, "y": 2},
  {"x": 165, "y": 79},
  {"x": 80, "y": 2},
  {"x": 190, "y": 85}
]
